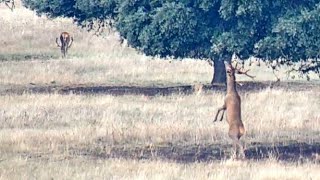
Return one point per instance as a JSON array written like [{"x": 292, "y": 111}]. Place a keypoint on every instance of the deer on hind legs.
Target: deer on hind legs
[{"x": 232, "y": 104}]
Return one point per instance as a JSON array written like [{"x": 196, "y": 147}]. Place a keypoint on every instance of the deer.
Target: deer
[
  {"x": 65, "y": 42},
  {"x": 8, "y": 2},
  {"x": 198, "y": 89},
  {"x": 232, "y": 104}
]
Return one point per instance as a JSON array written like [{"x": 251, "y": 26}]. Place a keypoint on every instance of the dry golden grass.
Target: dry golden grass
[
  {"x": 68, "y": 133},
  {"x": 45, "y": 136},
  {"x": 137, "y": 119}
]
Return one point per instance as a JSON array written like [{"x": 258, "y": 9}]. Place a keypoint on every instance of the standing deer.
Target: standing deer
[
  {"x": 232, "y": 104},
  {"x": 65, "y": 43},
  {"x": 198, "y": 88},
  {"x": 8, "y": 2}
]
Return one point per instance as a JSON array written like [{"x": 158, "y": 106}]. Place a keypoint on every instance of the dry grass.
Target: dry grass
[
  {"x": 68, "y": 136},
  {"x": 123, "y": 71},
  {"x": 68, "y": 133},
  {"x": 163, "y": 117},
  {"x": 175, "y": 118}
]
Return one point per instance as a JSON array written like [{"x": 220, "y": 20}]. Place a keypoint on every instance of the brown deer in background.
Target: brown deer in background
[
  {"x": 65, "y": 43},
  {"x": 232, "y": 104}
]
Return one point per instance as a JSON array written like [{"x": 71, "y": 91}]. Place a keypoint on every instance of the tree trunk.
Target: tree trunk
[{"x": 219, "y": 72}]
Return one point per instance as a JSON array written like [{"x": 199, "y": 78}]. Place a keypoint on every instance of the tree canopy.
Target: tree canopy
[{"x": 205, "y": 29}]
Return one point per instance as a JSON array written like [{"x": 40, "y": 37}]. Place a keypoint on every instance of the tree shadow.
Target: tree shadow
[
  {"x": 294, "y": 152},
  {"x": 284, "y": 152},
  {"x": 148, "y": 90}
]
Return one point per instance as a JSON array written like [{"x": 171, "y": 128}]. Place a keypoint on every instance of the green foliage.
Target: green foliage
[
  {"x": 52, "y": 8},
  {"x": 79, "y": 10},
  {"x": 95, "y": 9},
  {"x": 173, "y": 30},
  {"x": 293, "y": 37},
  {"x": 168, "y": 28}
]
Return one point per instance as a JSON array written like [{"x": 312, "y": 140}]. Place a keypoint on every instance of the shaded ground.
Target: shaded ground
[
  {"x": 294, "y": 152},
  {"x": 150, "y": 90},
  {"x": 291, "y": 152}
]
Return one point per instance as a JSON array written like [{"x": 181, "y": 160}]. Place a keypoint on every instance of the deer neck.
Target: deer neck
[{"x": 231, "y": 85}]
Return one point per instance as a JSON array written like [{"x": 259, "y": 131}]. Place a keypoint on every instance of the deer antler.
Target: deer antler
[{"x": 238, "y": 71}]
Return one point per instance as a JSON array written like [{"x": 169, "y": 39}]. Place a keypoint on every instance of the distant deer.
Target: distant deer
[
  {"x": 232, "y": 104},
  {"x": 65, "y": 43},
  {"x": 8, "y": 2},
  {"x": 198, "y": 88}
]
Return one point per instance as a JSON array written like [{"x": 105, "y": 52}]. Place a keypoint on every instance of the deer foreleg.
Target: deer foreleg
[
  {"x": 223, "y": 108},
  {"x": 12, "y": 4},
  {"x": 58, "y": 43},
  {"x": 222, "y": 115}
]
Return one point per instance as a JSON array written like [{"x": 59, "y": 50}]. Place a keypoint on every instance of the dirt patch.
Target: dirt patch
[{"x": 149, "y": 90}]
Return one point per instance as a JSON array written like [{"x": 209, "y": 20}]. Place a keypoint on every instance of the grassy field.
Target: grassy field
[{"x": 103, "y": 136}]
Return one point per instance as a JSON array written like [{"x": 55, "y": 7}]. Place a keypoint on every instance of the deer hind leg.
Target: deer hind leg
[
  {"x": 238, "y": 147},
  {"x": 65, "y": 47},
  {"x": 241, "y": 153},
  {"x": 234, "y": 150},
  {"x": 63, "y": 51}
]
